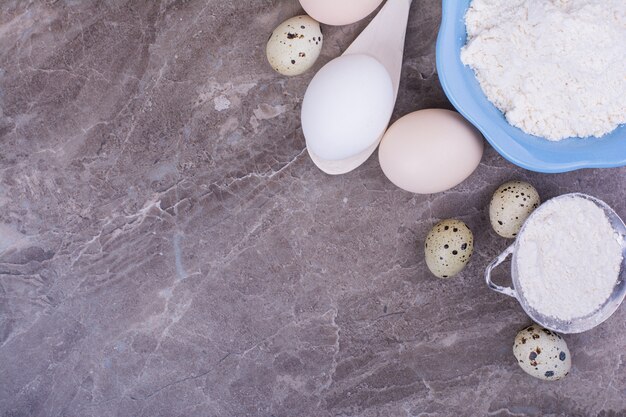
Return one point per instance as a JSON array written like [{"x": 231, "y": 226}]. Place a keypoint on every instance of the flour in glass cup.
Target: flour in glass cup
[{"x": 568, "y": 258}]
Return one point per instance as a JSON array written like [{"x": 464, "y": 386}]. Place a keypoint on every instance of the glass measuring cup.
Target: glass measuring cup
[{"x": 579, "y": 324}]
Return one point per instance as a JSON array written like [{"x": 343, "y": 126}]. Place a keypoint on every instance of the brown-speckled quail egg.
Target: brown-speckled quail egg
[
  {"x": 295, "y": 45},
  {"x": 511, "y": 205},
  {"x": 542, "y": 353},
  {"x": 448, "y": 248}
]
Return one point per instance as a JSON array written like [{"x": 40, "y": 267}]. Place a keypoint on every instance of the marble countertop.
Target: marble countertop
[{"x": 168, "y": 249}]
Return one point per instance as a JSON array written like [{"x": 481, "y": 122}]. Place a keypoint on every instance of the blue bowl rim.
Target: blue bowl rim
[{"x": 488, "y": 126}]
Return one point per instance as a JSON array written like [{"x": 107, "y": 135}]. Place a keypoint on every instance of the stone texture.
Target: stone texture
[{"x": 168, "y": 249}]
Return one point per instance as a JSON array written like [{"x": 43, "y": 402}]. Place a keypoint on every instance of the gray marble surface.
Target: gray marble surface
[{"x": 168, "y": 249}]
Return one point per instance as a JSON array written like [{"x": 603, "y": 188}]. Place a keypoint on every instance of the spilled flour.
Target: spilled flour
[
  {"x": 555, "y": 68},
  {"x": 568, "y": 258}
]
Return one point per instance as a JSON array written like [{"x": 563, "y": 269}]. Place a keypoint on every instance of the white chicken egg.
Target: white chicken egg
[
  {"x": 448, "y": 248},
  {"x": 542, "y": 353},
  {"x": 511, "y": 205},
  {"x": 295, "y": 45},
  {"x": 346, "y": 109},
  {"x": 430, "y": 151},
  {"x": 339, "y": 12}
]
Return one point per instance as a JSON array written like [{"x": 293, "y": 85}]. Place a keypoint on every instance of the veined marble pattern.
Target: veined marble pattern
[{"x": 168, "y": 249}]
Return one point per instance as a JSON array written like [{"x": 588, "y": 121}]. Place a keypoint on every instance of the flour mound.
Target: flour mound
[
  {"x": 555, "y": 68},
  {"x": 569, "y": 258}
]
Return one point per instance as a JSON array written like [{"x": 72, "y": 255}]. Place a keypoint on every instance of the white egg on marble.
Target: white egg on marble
[
  {"x": 430, "y": 151},
  {"x": 295, "y": 45},
  {"x": 448, "y": 248},
  {"x": 511, "y": 205},
  {"x": 542, "y": 353},
  {"x": 339, "y": 12}
]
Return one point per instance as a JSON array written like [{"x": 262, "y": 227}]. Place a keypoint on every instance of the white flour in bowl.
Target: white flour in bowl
[
  {"x": 555, "y": 68},
  {"x": 568, "y": 258}
]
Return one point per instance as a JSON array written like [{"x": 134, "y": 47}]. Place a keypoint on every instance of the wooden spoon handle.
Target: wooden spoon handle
[{"x": 384, "y": 38}]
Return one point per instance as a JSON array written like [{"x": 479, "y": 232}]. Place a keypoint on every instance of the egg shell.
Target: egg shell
[
  {"x": 346, "y": 107},
  {"x": 295, "y": 45},
  {"x": 448, "y": 248},
  {"x": 339, "y": 12},
  {"x": 542, "y": 353},
  {"x": 511, "y": 204},
  {"x": 430, "y": 151}
]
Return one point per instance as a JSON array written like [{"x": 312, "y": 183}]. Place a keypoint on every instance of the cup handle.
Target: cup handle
[{"x": 504, "y": 290}]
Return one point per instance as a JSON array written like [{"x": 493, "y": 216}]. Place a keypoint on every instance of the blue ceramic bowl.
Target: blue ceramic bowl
[{"x": 527, "y": 151}]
